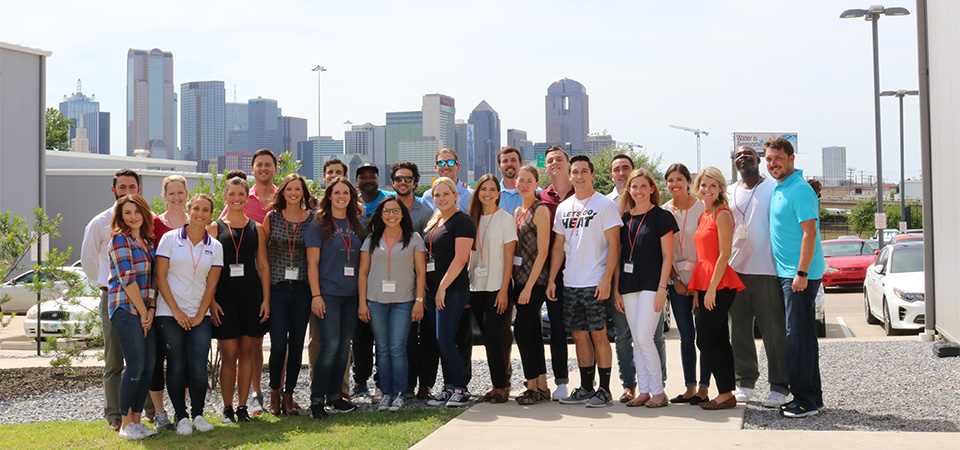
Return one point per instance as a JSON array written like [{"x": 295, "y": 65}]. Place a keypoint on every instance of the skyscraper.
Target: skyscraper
[
  {"x": 402, "y": 126},
  {"x": 202, "y": 116},
  {"x": 834, "y": 166},
  {"x": 370, "y": 143},
  {"x": 486, "y": 135},
  {"x": 465, "y": 150},
  {"x": 421, "y": 152},
  {"x": 438, "y": 118},
  {"x": 151, "y": 103},
  {"x": 78, "y": 107},
  {"x": 567, "y": 114},
  {"x": 517, "y": 138},
  {"x": 262, "y": 125},
  {"x": 291, "y": 131},
  {"x": 98, "y": 131},
  {"x": 595, "y": 142},
  {"x": 235, "y": 115}
]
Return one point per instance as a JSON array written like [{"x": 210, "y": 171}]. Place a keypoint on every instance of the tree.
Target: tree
[
  {"x": 601, "y": 165},
  {"x": 861, "y": 219},
  {"x": 58, "y": 131}
]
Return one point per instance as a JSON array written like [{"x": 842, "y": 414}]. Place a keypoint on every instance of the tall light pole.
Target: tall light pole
[
  {"x": 903, "y": 203},
  {"x": 319, "y": 69},
  {"x": 872, "y": 15}
]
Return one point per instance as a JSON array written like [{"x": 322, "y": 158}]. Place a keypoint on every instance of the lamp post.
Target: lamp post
[
  {"x": 319, "y": 69},
  {"x": 903, "y": 203},
  {"x": 872, "y": 15}
]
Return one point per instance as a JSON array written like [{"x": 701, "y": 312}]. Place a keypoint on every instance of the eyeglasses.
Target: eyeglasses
[
  {"x": 392, "y": 211},
  {"x": 448, "y": 163},
  {"x": 405, "y": 179}
]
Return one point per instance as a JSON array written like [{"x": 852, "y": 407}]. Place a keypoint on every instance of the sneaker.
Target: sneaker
[
  {"x": 384, "y": 404},
  {"x": 440, "y": 399},
  {"x": 160, "y": 420},
  {"x": 798, "y": 411},
  {"x": 132, "y": 432},
  {"x": 340, "y": 405},
  {"x": 318, "y": 411},
  {"x": 774, "y": 400},
  {"x": 358, "y": 390},
  {"x": 560, "y": 392},
  {"x": 601, "y": 398},
  {"x": 258, "y": 400},
  {"x": 397, "y": 404},
  {"x": 228, "y": 416},
  {"x": 242, "y": 415},
  {"x": 458, "y": 398},
  {"x": 743, "y": 394},
  {"x": 146, "y": 431},
  {"x": 791, "y": 404},
  {"x": 200, "y": 424},
  {"x": 580, "y": 395},
  {"x": 184, "y": 427}
]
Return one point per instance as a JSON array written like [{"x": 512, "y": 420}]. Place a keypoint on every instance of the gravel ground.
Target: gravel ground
[{"x": 888, "y": 385}]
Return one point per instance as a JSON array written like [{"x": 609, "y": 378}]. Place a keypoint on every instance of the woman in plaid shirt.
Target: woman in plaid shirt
[{"x": 131, "y": 308}]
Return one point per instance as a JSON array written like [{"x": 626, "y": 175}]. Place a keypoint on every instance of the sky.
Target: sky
[{"x": 721, "y": 66}]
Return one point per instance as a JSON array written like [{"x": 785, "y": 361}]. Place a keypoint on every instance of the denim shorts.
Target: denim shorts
[{"x": 582, "y": 311}]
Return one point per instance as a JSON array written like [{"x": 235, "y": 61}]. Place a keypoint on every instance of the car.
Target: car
[
  {"x": 21, "y": 295},
  {"x": 79, "y": 315},
  {"x": 849, "y": 237},
  {"x": 905, "y": 237},
  {"x": 893, "y": 291},
  {"x": 888, "y": 233},
  {"x": 914, "y": 231},
  {"x": 611, "y": 332},
  {"x": 846, "y": 262},
  {"x": 819, "y": 313}
]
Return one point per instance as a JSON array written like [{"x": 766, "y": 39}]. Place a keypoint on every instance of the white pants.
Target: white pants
[{"x": 643, "y": 322}]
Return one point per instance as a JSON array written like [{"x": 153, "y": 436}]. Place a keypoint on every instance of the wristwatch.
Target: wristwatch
[
  {"x": 674, "y": 280},
  {"x": 801, "y": 273},
  {"x": 419, "y": 299}
]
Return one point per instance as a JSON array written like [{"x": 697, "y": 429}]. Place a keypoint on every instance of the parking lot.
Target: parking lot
[{"x": 844, "y": 310}]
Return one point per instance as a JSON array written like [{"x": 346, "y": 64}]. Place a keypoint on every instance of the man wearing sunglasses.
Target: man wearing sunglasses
[
  {"x": 448, "y": 165},
  {"x": 405, "y": 175}
]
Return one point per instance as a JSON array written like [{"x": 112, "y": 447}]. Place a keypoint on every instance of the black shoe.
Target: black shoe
[
  {"x": 696, "y": 400},
  {"x": 341, "y": 406},
  {"x": 318, "y": 411},
  {"x": 681, "y": 399},
  {"x": 242, "y": 415},
  {"x": 228, "y": 416}
]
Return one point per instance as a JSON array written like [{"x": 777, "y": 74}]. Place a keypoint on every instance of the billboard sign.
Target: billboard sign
[{"x": 755, "y": 140}]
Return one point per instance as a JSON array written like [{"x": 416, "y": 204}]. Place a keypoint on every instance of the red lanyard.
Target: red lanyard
[
  {"x": 236, "y": 245},
  {"x": 577, "y": 223},
  {"x": 296, "y": 231},
  {"x": 683, "y": 229},
  {"x": 390, "y": 249},
  {"x": 346, "y": 241},
  {"x": 637, "y": 235},
  {"x": 434, "y": 232},
  {"x": 523, "y": 216},
  {"x": 483, "y": 238},
  {"x": 197, "y": 262}
]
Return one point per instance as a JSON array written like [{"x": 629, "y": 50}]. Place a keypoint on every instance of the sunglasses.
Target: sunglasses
[
  {"x": 448, "y": 163},
  {"x": 405, "y": 179}
]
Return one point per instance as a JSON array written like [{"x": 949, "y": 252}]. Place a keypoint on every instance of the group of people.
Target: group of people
[{"x": 364, "y": 268}]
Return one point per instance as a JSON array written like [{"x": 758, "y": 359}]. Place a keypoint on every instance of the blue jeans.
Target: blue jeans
[
  {"x": 289, "y": 314},
  {"x": 682, "y": 308},
  {"x": 445, "y": 323},
  {"x": 390, "y": 323},
  {"x": 336, "y": 329},
  {"x": 803, "y": 351},
  {"x": 186, "y": 348},
  {"x": 139, "y": 357}
]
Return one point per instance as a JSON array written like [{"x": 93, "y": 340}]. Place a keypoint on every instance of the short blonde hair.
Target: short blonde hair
[
  {"x": 446, "y": 181},
  {"x": 173, "y": 179},
  {"x": 714, "y": 174}
]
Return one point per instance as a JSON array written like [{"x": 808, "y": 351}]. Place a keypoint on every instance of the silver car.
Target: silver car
[{"x": 21, "y": 295}]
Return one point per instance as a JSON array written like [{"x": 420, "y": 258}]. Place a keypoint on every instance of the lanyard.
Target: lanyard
[
  {"x": 515, "y": 201},
  {"x": 236, "y": 245},
  {"x": 433, "y": 234},
  {"x": 635, "y": 237},
  {"x": 577, "y": 223},
  {"x": 390, "y": 249},
  {"x": 683, "y": 229},
  {"x": 296, "y": 231},
  {"x": 346, "y": 241},
  {"x": 483, "y": 237},
  {"x": 743, "y": 213},
  {"x": 523, "y": 216},
  {"x": 197, "y": 262}
]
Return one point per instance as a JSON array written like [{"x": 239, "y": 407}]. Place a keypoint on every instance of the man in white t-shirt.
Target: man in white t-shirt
[
  {"x": 587, "y": 227},
  {"x": 752, "y": 258}
]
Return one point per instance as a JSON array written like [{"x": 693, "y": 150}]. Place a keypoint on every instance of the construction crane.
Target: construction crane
[{"x": 697, "y": 132}]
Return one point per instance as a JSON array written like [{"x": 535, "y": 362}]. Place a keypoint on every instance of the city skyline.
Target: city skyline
[{"x": 646, "y": 66}]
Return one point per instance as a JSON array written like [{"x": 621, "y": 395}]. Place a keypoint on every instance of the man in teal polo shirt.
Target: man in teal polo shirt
[{"x": 795, "y": 239}]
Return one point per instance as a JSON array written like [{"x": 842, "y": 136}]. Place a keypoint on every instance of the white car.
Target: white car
[
  {"x": 894, "y": 286},
  {"x": 21, "y": 295},
  {"x": 79, "y": 315}
]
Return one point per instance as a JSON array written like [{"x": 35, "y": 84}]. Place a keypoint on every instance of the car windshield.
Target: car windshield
[
  {"x": 908, "y": 259},
  {"x": 847, "y": 248}
]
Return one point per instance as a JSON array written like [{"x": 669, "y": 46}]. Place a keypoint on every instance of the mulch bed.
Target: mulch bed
[{"x": 17, "y": 384}]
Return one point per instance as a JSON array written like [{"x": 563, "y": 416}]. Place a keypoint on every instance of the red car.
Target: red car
[{"x": 847, "y": 261}]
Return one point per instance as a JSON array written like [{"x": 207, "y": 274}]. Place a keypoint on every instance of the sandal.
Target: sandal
[{"x": 529, "y": 397}]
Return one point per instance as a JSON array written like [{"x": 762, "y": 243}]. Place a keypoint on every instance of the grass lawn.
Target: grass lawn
[{"x": 381, "y": 430}]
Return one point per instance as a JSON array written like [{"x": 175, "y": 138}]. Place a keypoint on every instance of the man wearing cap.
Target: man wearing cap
[{"x": 368, "y": 183}]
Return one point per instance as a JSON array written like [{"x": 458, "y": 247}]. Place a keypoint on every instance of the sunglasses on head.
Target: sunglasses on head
[
  {"x": 406, "y": 179},
  {"x": 447, "y": 162}
]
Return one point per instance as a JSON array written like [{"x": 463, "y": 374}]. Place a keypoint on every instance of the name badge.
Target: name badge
[
  {"x": 291, "y": 273},
  {"x": 688, "y": 266},
  {"x": 431, "y": 264},
  {"x": 389, "y": 286},
  {"x": 348, "y": 271},
  {"x": 236, "y": 270},
  {"x": 741, "y": 232},
  {"x": 517, "y": 260},
  {"x": 482, "y": 271},
  {"x": 628, "y": 267}
]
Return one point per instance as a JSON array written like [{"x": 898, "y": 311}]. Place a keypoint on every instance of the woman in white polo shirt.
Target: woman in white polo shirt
[{"x": 188, "y": 268}]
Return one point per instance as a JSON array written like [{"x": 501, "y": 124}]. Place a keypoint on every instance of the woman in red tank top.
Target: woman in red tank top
[{"x": 715, "y": 283}]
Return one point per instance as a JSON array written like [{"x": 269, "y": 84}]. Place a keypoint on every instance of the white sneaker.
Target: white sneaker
[
  {"x": 743, "y": 394},
  {"x": 146, "y": 431},
  {"x": 774, "y": 400},
  {"x": 201, "y": 424},
  {"x": 184, "y": 427},
  {"x": 384, "y": 404},
  {"x": 560, "y": 392},
  {"x": 131, "y": 431}
]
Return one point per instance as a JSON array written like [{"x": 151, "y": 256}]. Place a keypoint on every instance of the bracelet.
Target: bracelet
[
  {"x": 662, "y": 287},
  {"x": 149, "y": 307},
  {"x": 315, "y": 296}
]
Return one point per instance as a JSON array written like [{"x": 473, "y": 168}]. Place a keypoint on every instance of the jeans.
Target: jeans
[
  {"x": 390, "y": 323},
  {"x": 762, "y": 299},
  {"x": 186, "y": 348},
  {"x": 624, "y": 346},
  {"x": 337, "y": 325},
  {"x": 558, "y": 336},
  {"x": 713, "y": 338},
  {"x": 289, "y": 314},
  {"x": 644, "y": 322},
  {"x": 682, "y": 308},
  {"x": 445, "y": 323},
  {"x": 803, "y": 360},
  {"x": 527, "y": 330},
  {"x": 112, "y": 362},
  {"x": 491, "y": 323},
  {"x": 138, "y": 354}
]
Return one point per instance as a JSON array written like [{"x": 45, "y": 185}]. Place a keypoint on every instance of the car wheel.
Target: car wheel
[
  {"x": 871, "y": 319},
  {"x": 887, "y": 327},
  {"x": 822, "y": 328}
]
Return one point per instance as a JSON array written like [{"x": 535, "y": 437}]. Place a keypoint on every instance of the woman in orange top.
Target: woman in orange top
[{"x": 715, "y": 284}]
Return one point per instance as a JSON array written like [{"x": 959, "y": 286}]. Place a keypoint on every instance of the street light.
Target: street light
[
  {"x": 903, "y": 203},
  {"x": 872, "y": 15},
  {"x": 319, "y": 69}
]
